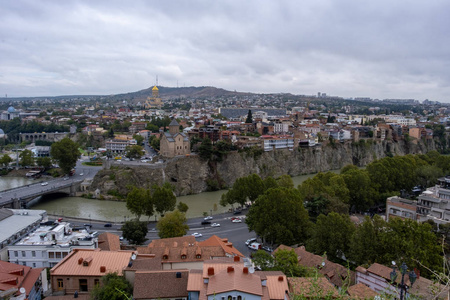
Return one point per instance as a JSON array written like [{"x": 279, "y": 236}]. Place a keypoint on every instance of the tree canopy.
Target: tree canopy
[
  {"x": 66, "y": 153},
  {"x": 173, "y": 224},
  {"x": 135, "y": 231},
  {"x": 113, "y": 287}
]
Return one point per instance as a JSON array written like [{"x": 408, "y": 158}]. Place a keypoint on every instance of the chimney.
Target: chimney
[
  {"x": 102, "y": 269},
  {"x": 245, "y": 270},
  {"x": 80, "y": 260},
  {"x": 237, "y": 258},
  {"x": 230, "y": 269},
  {"x": 280, "y": 278},
  {"x": 210, "y": 271}
]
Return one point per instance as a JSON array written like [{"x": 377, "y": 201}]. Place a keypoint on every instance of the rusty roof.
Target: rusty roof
[
  {"x": 109, "y": 242},
  {"x": 164, "y": 284},
  {"x": 77, "y": 262},
  {"x": 311, "y": 287},
  {"x": 277, "y": 286},
  {"x": 361, "y": 291},
  {"x": 195, "y": 280}
]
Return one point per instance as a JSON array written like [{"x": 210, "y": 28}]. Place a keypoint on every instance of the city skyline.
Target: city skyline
[{"x": 346, "y": 48}]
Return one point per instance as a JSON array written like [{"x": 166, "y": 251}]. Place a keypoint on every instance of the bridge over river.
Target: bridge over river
[{"x": 19, "y": 197}]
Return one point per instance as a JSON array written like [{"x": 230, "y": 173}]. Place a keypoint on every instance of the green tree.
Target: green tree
[
  {"x": 182, "y": 207},
  {"x": 263, "y": 260},
  {"x": 5, "y": 160},
  {"x": 332, "y": 234},
  {"x": 139, "y": 138},
  {"x": 362, "y": 194},
  {"x": 205, "y": 149},
  {"x": 163, "y": 198},
  {"x": 249, "y": 119},
  {"x": 286, "y": 261},
  {"x": 135, "y": 231},
  {"x": 113, "y": 287},
  {"x": 278, "y": 216},
  {"x": 155, "y": 142},
  {"x": 66, "y": 153},
  {"x": 136, "y": 201},
  {"x": 45, "y": 162},
  {"x": 173, "y": 224},
  {"x": 26, "y": 158},
  {"x": 134, "y": 151},
  {"x": 284, "y": 181}
]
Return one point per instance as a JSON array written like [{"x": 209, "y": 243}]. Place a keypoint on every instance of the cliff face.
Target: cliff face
[{"x": 192, "y": 175}]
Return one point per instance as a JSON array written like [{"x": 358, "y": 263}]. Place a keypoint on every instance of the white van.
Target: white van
[{"x": 255, "y": 246}]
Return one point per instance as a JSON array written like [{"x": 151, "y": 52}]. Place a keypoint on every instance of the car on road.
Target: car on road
[
  {"x": 236, "y": 220},
  {"x": 249, "y": 241},
  {"x": 44, "y": 183},
  {"x": 208, "y": 218},
  {"x": 87, "y": 225},
  {"x": 237, "y": 212},
  {"x": 121, "y": 238},
  {"x": 66, "y": 178},
  {"x": 196, "y": 234},
  {"x": 81, "y": 174},
  {"x": 267, "y": 248},
  {"x": 215, "y": 225},
  {"x": 206, "y": 222},
  {"x": 108, "y": 225}
]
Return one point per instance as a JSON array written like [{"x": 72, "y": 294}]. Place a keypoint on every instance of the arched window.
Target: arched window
[{"x": 230, "y": 298}]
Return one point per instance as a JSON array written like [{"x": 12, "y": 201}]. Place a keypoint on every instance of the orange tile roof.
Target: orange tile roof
[
  {"x": 195, "y": 280},
  {"x": 227, "y": 247},
  {"x": 17, "y": 276},
  {"x": 73, "y": 264},
  {"x": 277, "y": 286},
  {"x": 109, "y": 242},
  {"x": 218, "y": 265},
  {"x": 234, "y": 280},
  {"x": 311, "y": 287}
]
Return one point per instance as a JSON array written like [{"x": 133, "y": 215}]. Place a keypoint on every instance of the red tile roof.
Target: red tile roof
[
  {"x": 361, "y": 291},
  {"x": 17, "y": 276},
  {"x": 234, "y": 279},
  {"x": 109, "y": 242},
  {"x": 164, "y": 284},
  {"x": 312, "y": 287}
]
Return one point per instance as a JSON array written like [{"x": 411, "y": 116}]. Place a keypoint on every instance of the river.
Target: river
[{"x": 116, "y": 211}]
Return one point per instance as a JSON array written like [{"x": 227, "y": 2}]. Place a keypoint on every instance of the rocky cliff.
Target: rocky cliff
[{"x": 191, "y": 175}]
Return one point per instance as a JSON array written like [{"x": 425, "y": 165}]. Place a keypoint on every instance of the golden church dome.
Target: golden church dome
[{"x": 154, "y": 88}]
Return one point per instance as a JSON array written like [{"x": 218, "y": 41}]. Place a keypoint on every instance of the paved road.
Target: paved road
[
  {"x": 237, "y": 233},
  {"x": 53, "y": 183}
]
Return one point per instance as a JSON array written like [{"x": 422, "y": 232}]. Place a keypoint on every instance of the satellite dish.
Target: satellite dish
[
  {"x": 133, "y": 257},
  {"x": 22, "y": 290},
  {"x": 393, "y": 263},
  {"x": 323, "y": 264},
  {"x": 251, "y": 270}
]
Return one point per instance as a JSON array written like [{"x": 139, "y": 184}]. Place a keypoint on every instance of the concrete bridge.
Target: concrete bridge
[{"x": 20, "y": 196}]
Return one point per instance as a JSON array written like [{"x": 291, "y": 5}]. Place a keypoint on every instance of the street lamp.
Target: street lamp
[{"x": 403, "y": 269}]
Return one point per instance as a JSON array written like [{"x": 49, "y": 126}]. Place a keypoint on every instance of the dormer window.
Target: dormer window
[
  {"x": 165, "y": 257},
  {"x": 183, "y": 256},
  {"x": 198, "y": 256}
]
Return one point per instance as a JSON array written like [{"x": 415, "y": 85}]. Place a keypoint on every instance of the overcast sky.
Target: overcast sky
[{"x": 379, "y": 49}]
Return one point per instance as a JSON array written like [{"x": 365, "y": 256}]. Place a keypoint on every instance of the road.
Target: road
[{"x": 237, "y": 233}]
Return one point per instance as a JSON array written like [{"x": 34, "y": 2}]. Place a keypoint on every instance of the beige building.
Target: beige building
[{"x": 174, "y": 142}]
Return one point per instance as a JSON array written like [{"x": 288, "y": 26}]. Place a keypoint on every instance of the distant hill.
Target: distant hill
[{"x": 181, "y": 92}]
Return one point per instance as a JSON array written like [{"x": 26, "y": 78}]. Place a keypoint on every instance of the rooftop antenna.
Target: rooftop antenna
[{"x": 156, "y": 80}]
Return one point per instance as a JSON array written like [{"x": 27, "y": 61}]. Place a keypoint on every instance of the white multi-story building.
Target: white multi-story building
[
  {"x": 280, "y": 127},
  {"x": 46, "y": 246},
  {"x": 434, "y": 203},
  {"x": 277, "y": 142}
]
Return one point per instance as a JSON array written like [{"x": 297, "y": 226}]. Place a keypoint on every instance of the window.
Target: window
[
  {"x": 23, "y": 253},
  {"x": 83, "y": 285},
  {"x": 239, "y": 297},
  {"x": 58, "y": 254},
  {"x": 96, "y": 282},
  {"x": 16, "y": 253},
  {"x": 51, "y": 255},
  {"x": 60, "y": 283},
  {"x": 34, "y": 265},
  {"x": 230, "y": 298},
  {"x": 33, "y": 253},
  {"x": 183, "y": 256}
]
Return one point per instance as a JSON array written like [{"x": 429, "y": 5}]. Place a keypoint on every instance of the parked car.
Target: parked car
[
  {"x": 208, "y": 218},
  {"x": 237, "y": 212},
  {"x": 267, "y": 248},
  {"x": 81, "y": 174},
  {"x": 196, "y": 234},
  {"x": 66, "y": 178},
  {"x": 236, "y": 220},
  {"x": 206, "y": 222},
  {"x": 44, "y": 183},
  {"x": 108, "y": 225},
  {"x": 255, "y": 246},
  {"x": 87, "y": 225},
  {"x": 249, "y": 241},
  {"x": 215, "y": 225}
]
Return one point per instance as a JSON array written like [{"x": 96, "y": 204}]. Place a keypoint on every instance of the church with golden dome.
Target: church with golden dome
[{"x": 154, "y": 101}]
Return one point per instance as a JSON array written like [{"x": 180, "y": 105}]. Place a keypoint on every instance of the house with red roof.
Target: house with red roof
[{"x": 20, "y": 282}]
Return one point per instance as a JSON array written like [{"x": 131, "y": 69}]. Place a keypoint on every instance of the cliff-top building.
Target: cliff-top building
[{"x": 174, "y": 142}]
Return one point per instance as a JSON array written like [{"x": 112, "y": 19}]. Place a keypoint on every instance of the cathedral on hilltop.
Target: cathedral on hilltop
[
  {"x": 154, "y": 101},
  {"x": 174, "y": 142}
]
